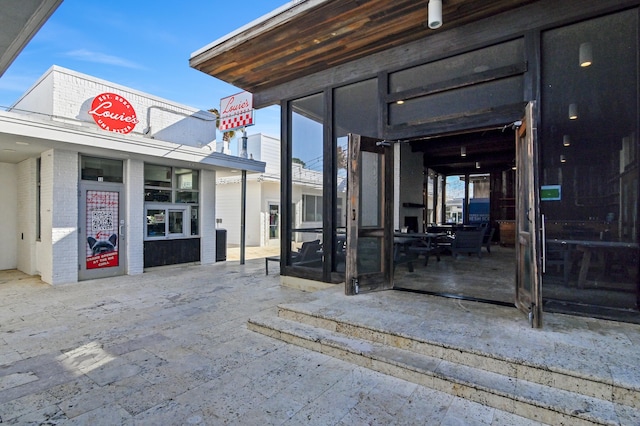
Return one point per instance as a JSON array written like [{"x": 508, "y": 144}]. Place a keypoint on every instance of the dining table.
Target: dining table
[{"x": 589, "y": 247}]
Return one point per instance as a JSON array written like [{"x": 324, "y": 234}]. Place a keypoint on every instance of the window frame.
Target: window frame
[{"x": 186, "y": 209}]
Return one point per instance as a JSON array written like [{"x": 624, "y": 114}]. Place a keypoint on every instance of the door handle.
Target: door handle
[
  {"x": 353, "y": 214},
  {"x": 544, "y": 246}
]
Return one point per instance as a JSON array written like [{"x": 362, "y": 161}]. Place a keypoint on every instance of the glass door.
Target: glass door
[
  {"x": 528, "y": 273},
  {"x": 100, "y": 231},
  {"x": 369, "y": 259}
]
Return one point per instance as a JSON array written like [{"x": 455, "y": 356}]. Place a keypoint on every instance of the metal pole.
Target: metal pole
[
  {"x": 243, "y": 150},
  {"x": 243, "y": 209}
]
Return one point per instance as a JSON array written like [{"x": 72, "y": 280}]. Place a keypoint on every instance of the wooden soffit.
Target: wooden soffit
[{"x": 309, "y": 36}]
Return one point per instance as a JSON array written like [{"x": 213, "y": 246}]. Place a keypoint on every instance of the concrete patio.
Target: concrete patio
[{"x": 172, "y": 346}]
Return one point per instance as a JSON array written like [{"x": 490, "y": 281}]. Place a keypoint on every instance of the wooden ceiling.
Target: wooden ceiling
[
  {"x": 493, "y": 149},
  {"x": 315, "y": 35}
]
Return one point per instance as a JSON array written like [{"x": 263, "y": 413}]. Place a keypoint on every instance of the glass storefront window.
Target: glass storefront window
[
  {"x": 156, "y": 223},
  {"x": 101, "y": 169},
  {"x": 186, "y": 197},
  {"x": 476, "y": 62},
  {"x": 175, "y": 221},
  {"x": 355, "y": 111},
  {"x": 157, "y": 195},
  {"x": 168, "y": 189},
  {"x": 195, "y": 229},
  {"x": 157, "y": 175},
  {"x": 307, "y": 162},
  {"x": 589, "y": 155},
  {"x": 187, "y": 178}
]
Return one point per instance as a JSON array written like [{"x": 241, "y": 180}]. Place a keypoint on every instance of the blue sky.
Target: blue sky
[{"x": 141, "y": 44}]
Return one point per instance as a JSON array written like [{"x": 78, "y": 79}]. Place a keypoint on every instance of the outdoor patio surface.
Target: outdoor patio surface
[{"x": 171, "y": 346}]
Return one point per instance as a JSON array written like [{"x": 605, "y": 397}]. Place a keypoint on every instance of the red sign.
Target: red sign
[
  {"x": 102, "y": 229},
  {"x": 113, "y": 113},
  {"x": 236, "y": 111}
]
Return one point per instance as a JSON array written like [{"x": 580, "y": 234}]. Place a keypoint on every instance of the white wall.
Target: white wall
[
  {"x": 135, "y": 217},
  {"x": 207, "y": 217},
  {"x": 39, "y": 98},
  {"x": 9, "y": 215},
  {"x": 411, "y": 184},
  {"x": 228, "y": 204},
  {"x": 58, "y": 257},
  {"x": 265, "y": 148},
  {"x": 67, "y": 95}
]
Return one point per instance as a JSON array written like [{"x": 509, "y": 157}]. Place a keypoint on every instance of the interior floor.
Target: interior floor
[{"x": 491, "y": 278}]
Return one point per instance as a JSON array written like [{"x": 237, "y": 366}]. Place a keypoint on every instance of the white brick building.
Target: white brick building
[{"x": 99, "y": 179}]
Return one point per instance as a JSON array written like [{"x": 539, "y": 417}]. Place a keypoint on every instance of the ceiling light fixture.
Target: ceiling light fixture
[
  {"x": 586, "y": 55},
  {"x": 573, "y": 111},
  {"x": 463, "y": 151},
  {"x": 435, "y": 14},
  {"x": 566, "y": 140}
]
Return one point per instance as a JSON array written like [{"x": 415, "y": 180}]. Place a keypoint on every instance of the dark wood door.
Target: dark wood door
[
  {"x": 369, "y": 259},
  {"x": 528, "y": 272}
]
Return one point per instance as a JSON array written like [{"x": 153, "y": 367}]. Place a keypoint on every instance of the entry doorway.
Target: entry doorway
[
  {"x": 101, "y": 221},
  {"x": 467, "y": 186},
  {"x": 508, "y": 276}
]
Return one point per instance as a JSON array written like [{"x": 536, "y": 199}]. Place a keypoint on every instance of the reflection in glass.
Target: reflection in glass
[
  {"x": 195, "y": 228},
  {"x": 175, "y": 222},
  {"x": 157, "y": 195},
  {"x": 307, "y": 161},
  {"x": 591, "y": 229},
  {"x": 187, "y": 178},
  {"x": 155, "y": 223},
  {"x": 101, "y": 169},
  {"x": 355, "y": 111},
  {"x": 186, "y": 197},
  {"x": 157, "y": 175}
]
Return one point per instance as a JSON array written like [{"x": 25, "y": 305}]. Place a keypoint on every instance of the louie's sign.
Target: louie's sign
[
  {"x": 113, "y": 113},
  {"x": 236, "y": 111}
]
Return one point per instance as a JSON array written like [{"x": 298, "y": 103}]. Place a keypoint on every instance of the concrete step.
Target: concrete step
[
  {"x": 600, "y": 387},
  {"x": 440, "y": 369}
]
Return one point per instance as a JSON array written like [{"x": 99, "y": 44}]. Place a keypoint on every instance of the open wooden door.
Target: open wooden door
[
  {"x": 528, "y": 271},
  {"x": 369, "y": 259}
]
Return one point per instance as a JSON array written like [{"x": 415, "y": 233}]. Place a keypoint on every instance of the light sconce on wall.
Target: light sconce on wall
[
  {"x": 586, "y": 54},
  {"x": 435, "y": 14},
  {"x": 463, "y": 151},
  {"x": 573, "y": 111},
  {"x": 563, "y": 159},
  {"x": 566, "y": 140}
]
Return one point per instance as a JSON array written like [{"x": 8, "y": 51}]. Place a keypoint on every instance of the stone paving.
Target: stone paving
[{"x": 171, "y": 347}]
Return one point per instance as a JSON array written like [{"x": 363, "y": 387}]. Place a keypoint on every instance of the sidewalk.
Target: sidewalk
[{"x": 171, "y": 346}]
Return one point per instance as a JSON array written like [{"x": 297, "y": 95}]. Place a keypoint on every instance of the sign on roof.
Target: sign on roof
[
  {"x": 113, "y": 113},
  {"x": 236, "y": 111}
]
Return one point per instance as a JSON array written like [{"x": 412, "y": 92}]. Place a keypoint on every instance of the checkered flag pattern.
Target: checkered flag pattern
[{"x": 236, "y": 121}]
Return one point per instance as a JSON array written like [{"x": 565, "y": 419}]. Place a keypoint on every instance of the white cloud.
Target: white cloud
[{"x": 102, "y": 58}]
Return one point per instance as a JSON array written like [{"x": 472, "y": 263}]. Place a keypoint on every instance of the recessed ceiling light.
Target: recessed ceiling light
[
  {"x": 9, "y": 150},
  {"x": 22, "y": 143}
]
